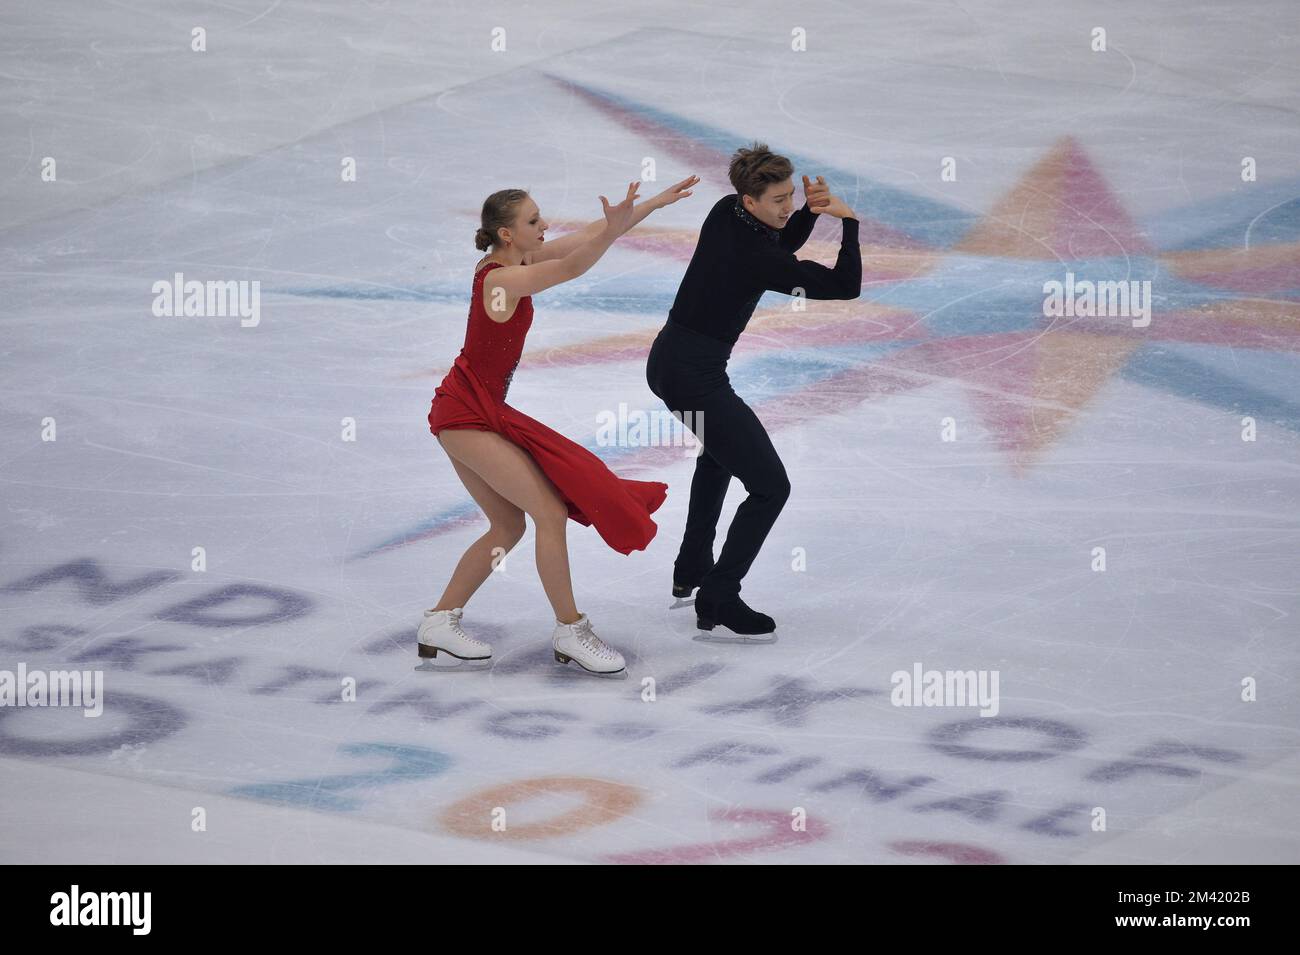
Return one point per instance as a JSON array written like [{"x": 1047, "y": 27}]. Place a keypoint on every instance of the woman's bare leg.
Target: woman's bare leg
[
  {"x": 505, "y": 528},
  {"x": 511, "y": 473}
]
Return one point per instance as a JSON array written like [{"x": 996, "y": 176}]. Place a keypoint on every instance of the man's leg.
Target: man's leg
[
  {"x": 739, "y": 444},
  {"x": 708, "y": 491},
  {"x": 677, "y": 375}
]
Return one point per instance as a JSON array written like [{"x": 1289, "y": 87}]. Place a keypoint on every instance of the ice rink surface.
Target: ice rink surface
[{"x": 1100, "y": 511}]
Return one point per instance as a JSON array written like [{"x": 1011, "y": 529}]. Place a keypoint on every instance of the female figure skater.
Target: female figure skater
[{"x": 513, "y": 465}]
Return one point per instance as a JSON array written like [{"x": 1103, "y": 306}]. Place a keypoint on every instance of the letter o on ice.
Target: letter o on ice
[
  {"x": 951, "y": 738},
  {"x": 150, "y": 720},
  {"x": 605, "y": 802}
]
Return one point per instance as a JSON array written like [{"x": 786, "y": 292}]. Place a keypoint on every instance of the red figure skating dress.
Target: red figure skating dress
[{"x": 473, "y": 396}]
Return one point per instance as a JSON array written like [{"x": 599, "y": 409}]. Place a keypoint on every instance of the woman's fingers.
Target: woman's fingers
[{"x": 631, "y": 194}]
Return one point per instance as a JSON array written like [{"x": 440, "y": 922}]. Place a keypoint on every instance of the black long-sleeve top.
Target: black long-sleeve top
[{"x": 738, "y": 258}]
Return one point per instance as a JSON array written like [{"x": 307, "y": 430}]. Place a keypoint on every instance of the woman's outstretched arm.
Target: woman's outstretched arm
[
  {"x": 516, "y": 281},
  {"x": 558, "y": 248}
]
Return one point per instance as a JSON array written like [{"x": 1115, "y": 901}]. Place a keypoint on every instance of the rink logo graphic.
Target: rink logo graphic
[
  {"x": 946, "y": 688},
  {"x": 193, "y": 670},
  {"x": 102, "y": 908},
  {"x": 1070, "y": 299},
  {"x": 84, "y": 688},
  {"x": 180, "y": 298},
  {"x": 658, "y": 428}
]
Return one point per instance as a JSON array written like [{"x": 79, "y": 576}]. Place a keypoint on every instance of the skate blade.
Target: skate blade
[
  {"x": 682, "y": 602},
  {"x": 464, "y": 666},
  {"x": 613, "y": 675},
  {"x": 453, "y": 664},
  {"x": 717, "y": 636}
]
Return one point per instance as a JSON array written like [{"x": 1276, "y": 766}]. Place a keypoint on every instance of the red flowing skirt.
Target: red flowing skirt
[{"x": 619, "y": 508}]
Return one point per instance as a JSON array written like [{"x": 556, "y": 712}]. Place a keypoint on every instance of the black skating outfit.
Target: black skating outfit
[{"x": 736, "y": 259}]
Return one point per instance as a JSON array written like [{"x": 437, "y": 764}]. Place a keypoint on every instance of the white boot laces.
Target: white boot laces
[
  {"x": 453, "y": 622},
  {"x": 587, "y": 637}
]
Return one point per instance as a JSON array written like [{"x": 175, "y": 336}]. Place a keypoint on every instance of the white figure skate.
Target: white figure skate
[
  {"x": 441, "y": 633},
  {"x": 578, "y": 642}
]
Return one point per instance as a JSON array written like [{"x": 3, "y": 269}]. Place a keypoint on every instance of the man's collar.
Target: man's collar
[{"x": 762, "y": 228}]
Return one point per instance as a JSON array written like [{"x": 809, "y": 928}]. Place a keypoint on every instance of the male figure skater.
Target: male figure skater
[{"x": 746, "y": 246}]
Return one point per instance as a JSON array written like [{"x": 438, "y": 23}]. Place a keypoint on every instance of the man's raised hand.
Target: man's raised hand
[
  {"x": 821, "y": 200},
  {"x": 816, "y": 194}
]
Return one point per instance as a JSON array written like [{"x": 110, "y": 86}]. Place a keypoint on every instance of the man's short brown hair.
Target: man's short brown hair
[{"x": 755, "y": 167}]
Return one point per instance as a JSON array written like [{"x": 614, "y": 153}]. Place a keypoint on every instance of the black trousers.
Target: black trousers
[{"x": 688, "y": 371}]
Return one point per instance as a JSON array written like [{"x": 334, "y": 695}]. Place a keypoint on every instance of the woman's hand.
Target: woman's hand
[
  {"x": 679, "y": 191},
  {"x": 618, "y": 219}
]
